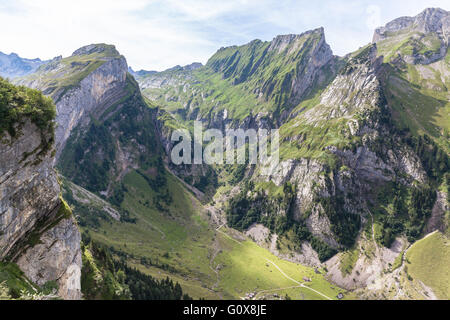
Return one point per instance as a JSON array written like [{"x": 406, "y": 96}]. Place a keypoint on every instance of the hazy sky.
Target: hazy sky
[{"x": 158, "y": 34}]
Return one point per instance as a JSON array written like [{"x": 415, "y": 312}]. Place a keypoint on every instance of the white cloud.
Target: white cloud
[
  {"x": 47, "y": 28},
  {"x": 374, "y": 17},
  {"x": 158, "y": 34}
]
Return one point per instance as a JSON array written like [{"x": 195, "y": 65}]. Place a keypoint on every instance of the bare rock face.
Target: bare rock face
[
  {"x": 28, "y": 191},
  {"x": 361, "y": 87},
  {"x": 437, "y": 221},
  {"x": 430, "y": 20},
  {"x": 32, "y": 232},
  {"x": 57, "y": 257},
  {"x": 87, "y": 97},
  {"x": 97, "y": 91}
]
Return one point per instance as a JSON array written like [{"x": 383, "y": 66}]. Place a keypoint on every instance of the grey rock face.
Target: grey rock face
[
  {"x": 28, "y": 192},
  {"x": 90, "y": 97},
  {"x": 350, "y": 92},
  {"x": 430, "y": 20},
  {"x": 437, "y": 221},
  {"x": 97, "y": 91},
  {"x": 95, "y": 48},
  {"x": 29, "y": 203},
  {"x": 56, "y": 258}
]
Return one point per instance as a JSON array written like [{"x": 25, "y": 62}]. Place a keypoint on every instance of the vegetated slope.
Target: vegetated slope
[
  {"x": 428, "y": 261},
  {"x": 165, "y": 234},
  {"x": 344, "y": 152},
  {"x": 371, "y": 128},
  {"x": 109, "y": 279},
  {"x": 256, "y": 82},
  {"x": 419, "y": 78}
]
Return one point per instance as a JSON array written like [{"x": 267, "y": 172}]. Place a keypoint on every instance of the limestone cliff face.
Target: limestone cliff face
[
  {"x": 430, "y": 20},
  {"x": 57, "y": 256},
  {"x": 97, "y": 91},
  {"x": 33, "y": 231},
  {"x": 82, "y": 85}
]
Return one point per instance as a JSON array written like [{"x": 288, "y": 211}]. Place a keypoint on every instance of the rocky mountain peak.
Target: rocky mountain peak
[
  {"x": 193, "y": 66},
  {"x": 430, "y": 20},
  {"x": 102, "y": 48},
  {"x": 280, "y": 42}
]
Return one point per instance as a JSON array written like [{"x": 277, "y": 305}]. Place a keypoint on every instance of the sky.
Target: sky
[{"x": 159, "y": 34}]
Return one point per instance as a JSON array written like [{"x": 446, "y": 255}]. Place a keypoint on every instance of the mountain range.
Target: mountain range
[{"x": 92, "y": 206}]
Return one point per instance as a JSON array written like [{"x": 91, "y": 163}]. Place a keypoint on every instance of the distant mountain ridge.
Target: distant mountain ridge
[{"x": 12, "y": 65}]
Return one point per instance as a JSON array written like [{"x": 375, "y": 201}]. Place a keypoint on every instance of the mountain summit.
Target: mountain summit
[
  {"x": 431, "y": 20},
  {"x": 422, "y": 39}
]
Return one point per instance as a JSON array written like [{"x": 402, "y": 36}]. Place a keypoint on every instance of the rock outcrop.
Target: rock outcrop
[
  {"x": 98, "y": 89},
  {"x": 430, "y": 20},
  {"x": 424, "y": 38},
  {"x": 35, "y": 231}
]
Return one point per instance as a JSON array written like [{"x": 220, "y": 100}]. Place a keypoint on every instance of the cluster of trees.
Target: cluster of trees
[
  {"x": 145, "y": 287},
  {"x": 81, "y": 162},
  {"x": 158, "y": 183},
  {"x": 410, "y": 209},
  {"x": 435, "y": 160},
  {"x": 302, "y": 233},
  {"x": 91, "y": 216},
  {"x": 18, "y": 103},
  {"x": 118, "y": 194},
  {"x": 345, "y": 225},
  {"x": 87, "y": 216},
  {"x": 273, "y": 212},
  {"x": 238, "y": 173},
  {"x": 120, "y": 281}
]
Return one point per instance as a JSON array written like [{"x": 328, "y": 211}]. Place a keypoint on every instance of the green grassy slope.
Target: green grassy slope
[
  {"x": 429, "y": 261},
  {"x": 248, "y": 79},
  {"x": 178, "y": 242},
  {"x": 418, "y": 93},
  {"x": 60, "y": 75},
  {"x": 247, "y": 268},
  {"x": 175, "y": 240}
]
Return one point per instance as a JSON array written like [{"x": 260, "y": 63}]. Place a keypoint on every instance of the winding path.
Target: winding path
[
  {"x": 299, "y": 283},
  {"x": 278, "y": 268}
]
